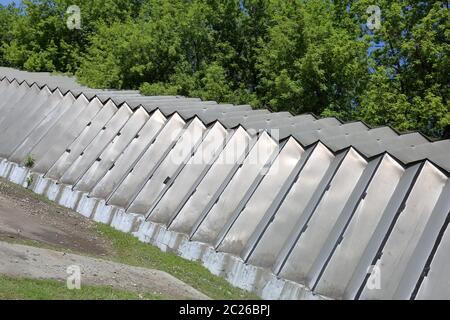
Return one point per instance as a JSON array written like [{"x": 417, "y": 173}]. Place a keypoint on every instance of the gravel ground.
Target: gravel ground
[{"x": 38, "y": 263}]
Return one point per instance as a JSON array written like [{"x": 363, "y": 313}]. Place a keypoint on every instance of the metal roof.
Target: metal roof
[{"x": 330, "y": 131}]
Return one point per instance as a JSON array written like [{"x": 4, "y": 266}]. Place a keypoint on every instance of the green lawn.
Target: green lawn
[
  {"x": 31, "y": 289},
  {"x": 129, "y": 250}
]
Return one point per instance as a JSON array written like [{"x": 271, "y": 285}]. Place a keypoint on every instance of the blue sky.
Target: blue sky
[{"x": 5, "y": 2}]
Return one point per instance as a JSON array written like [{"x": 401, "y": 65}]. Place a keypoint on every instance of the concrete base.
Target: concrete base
[
  {"x": 255, "y": 279},
  {"x": 103, "y": 213},
  {"x": 86, "y": 205},
  {"x": 41, "y": 184},
  {"x": 16, "y": 173},
  {"x": 251, "y": 278},
  {"x": 4, "y": 168}
]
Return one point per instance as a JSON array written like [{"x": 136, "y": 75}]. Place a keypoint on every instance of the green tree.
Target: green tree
[
  {"x": 410, "y": 85},
  {"x": 311, "y": 63},
  {"x": 41, "y": 41},
  {"x": 301, "y": 55}
]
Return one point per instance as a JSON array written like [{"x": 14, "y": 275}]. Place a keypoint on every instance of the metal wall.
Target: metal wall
[{"x": 333, "y": 210}]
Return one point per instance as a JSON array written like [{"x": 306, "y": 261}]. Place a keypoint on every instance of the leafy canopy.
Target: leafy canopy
[{"x": 300, "y": 55}]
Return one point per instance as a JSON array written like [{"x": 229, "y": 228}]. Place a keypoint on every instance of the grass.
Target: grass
[
  {"x": 31, "y": 289},
  {"x": 129, "y": 250},
  {"x": 29, "y": 161}
]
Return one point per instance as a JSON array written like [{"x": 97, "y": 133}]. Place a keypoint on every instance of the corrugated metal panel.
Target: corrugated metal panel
[
  {"x": 82, "y": 163},
  {"x": 357, "y": 234},
  {"x": 138, "y": 175},
  {"x": 27, "y": 120},
  {"x": 77, "y": 147},
  {"x": 239, "y": 228},
  {"x": 185, "y": 216},
  {"x": 63, "y": 133},
  {"x": 181, "y": 185},
  {"x": 12, "y": 93},
  {"x": 330, "y": 207},
  {"x": 23, "y": 150},
  {"x": 436, "y": 284},
  {"x": 303, "y": 247},
  {"x": 128, "y": 159},
  {"x": 160, "y": 178},
  {"x": 279, "y": 224},
  {"x": 244, "y": 181},
  {"x": 16, "y": 107},
  {"x": 17, "y": 94},
  {"x": 406, "y": 233},
  {"x": 108, "y": 156}
]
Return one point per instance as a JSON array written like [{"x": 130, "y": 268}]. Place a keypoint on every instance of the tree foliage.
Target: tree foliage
[{"x": 300, "y": 55}]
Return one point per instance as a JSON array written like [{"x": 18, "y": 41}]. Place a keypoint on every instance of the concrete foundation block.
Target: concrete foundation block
[
  {"x": 145, "y": 232},
  {"x": 18, "y": 174},
  {"x": 191, "y": 250},
  {"x": 68, "y": 197},
  {"x": 4, "y": 168},
  {"x": 53, "y": 190},
  {"x": 126, "y": 222},
  {"x": 240, "y": 274},
  {"x": 214, "y": 261},
  {"x": 40, "y": 184},
  {"x": 86, "y": 206},
  {"x": 103, "y": 213}
]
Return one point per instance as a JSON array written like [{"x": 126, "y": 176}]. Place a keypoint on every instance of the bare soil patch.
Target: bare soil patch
[{"x": 24, "y": 216}]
